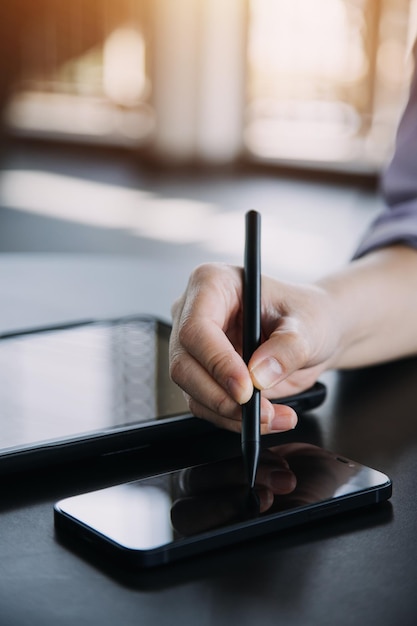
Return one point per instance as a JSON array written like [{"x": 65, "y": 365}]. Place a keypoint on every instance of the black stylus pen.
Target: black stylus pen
[{"x": 251, "y": 411}]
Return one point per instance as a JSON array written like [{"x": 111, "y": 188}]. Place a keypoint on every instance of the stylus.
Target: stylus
[{"x": 251, "y": 411}]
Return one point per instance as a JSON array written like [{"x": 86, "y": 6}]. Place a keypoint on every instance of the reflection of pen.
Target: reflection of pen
[{"x": 251, "y": 411}]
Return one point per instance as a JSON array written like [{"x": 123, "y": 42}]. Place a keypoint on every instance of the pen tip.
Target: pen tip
[{"x": 253, "y": 503}]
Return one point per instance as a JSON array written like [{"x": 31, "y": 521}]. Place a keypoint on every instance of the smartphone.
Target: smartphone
[
  {"x": 181, "y": 514},
  {"x": 92, "y": 388}
]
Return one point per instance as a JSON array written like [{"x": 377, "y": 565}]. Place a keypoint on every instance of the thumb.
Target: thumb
[{"x": 277, "y": 358}]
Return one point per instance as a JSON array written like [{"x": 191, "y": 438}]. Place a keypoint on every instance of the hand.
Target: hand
[{"x": 299, "y": 337}]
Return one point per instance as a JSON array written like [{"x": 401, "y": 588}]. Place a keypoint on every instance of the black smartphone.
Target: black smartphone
[
  {"x": 92, "y": 388},
  {"x": 180, "y": 514}
]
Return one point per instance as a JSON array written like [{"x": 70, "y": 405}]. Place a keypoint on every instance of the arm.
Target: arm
[
  {"x": 362, "y": 315},
  {"x": 398, "y": 223},
  {"x": 375, "y": 300}
]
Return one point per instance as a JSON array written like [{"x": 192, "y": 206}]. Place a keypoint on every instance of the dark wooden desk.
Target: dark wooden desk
[{"x": 360, "y": 569}]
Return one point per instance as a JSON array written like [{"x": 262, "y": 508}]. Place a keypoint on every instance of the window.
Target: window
[
  {"x": 83, "y": 72},
  {"x": 326, "y": 80},
  {"x": 305, "y": 82}
]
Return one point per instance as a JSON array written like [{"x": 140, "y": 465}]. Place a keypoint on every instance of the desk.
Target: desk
[{"x": 361, "y": 569}]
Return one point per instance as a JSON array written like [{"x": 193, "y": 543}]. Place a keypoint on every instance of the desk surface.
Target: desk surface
[{"x": 361, "y": 569}]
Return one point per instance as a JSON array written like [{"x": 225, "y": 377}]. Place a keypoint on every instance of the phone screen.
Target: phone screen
[
  {"x": 92, "y": 377},
  {"x": 206, "y": 500}
]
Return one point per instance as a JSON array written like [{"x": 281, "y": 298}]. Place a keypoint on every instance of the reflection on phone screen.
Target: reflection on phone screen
[{"x": 152, "y": 512}]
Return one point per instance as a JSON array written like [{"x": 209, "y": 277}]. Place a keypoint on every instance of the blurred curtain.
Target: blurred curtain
[{"x": 198, "y": 78}]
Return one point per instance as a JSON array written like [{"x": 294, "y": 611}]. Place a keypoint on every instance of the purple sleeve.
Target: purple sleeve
[{"x": 398, "y": 222}]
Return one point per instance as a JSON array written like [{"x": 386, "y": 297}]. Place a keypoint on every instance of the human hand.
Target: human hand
[{"x": 299, "y": 337}]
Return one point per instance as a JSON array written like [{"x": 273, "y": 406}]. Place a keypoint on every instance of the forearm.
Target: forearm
[{"x": 375, "y": 307}]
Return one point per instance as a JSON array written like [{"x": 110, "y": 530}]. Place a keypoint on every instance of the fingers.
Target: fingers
[
  {"x": 287, "y": 350},
  {"x": 210, "y": 400},
  {"x": 201, "y": 353},
  {"x": 283, "y": 418},
  {"x": 205, "y": 344},
  {"x": 211, "y": 391},
  {"x": 291, "y": 359},
  {"x": 301, "y": 336},
  {"x": 275, "y": 418}
]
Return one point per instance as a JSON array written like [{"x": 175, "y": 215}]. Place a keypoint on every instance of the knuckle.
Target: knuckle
[
  {"x": 203, "y": 272},
  {"x": 218, "y": 406},
  {"x": 187, "y": 333},
  {"x": 220, "y": 365},
  {"x": 222, "y": 406},
  {"x": 176, "y": 368},
  {"x": 298, "y": 347},
  {"x": 217, "y": 416}
]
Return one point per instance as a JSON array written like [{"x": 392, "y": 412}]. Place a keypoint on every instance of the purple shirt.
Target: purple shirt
[{"x": 398, "y": 222}]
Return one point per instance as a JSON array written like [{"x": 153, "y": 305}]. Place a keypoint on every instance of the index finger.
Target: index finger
[{"x": 207, "y": 326}]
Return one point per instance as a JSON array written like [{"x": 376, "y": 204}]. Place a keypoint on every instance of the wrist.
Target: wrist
[
  {"x": 346, "y": 321},
  {"x": 374, "y": 307}
]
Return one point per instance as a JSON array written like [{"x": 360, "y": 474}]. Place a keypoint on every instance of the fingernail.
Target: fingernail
[
  {"x": 283, "y": 422},
  {"x": 267, "y": 412},
  {"x": 267, "y": 373}
]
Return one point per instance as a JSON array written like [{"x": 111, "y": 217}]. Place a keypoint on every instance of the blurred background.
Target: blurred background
[
  {"x": 288, "y": 106},
  {"x": 312, "y": 82}
]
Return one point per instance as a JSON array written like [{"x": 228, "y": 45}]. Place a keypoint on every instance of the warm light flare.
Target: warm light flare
[{"x": 124, "y": 79}]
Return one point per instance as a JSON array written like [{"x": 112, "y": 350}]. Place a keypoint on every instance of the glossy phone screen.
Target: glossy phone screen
[
  {"x": 88, "y": 378},
  {"x": 208, "y": 500}
]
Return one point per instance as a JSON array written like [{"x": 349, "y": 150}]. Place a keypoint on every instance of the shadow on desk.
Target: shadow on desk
[{"x": 251, "y": 556}]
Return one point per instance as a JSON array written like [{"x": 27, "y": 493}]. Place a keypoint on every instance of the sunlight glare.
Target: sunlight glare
[
  {"x": 293, "y": 244},
  {"x": 124, "y": 79},
  {"x": 178, "y": 220},
  {"x": 297, "y": 38}
]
